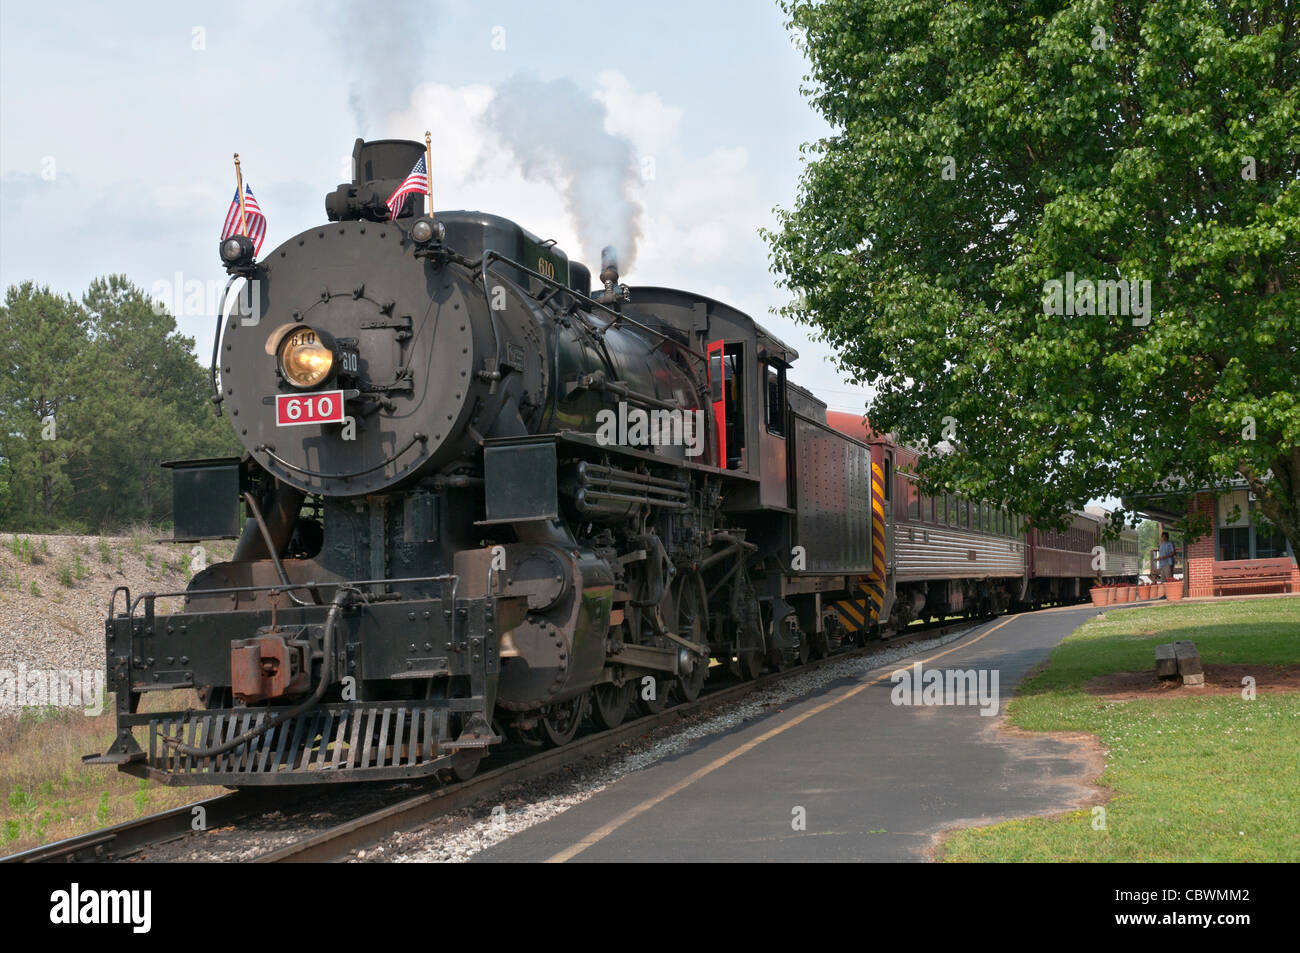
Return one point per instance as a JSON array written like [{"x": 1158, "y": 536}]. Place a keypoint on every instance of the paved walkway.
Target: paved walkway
[{"x": 873, "y": 781}]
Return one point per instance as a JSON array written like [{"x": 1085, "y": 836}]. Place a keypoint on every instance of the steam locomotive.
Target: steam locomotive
[{"x": 480, "y": 499}]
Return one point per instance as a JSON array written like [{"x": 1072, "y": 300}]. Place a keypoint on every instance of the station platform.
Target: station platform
[{"x": 876, "y": 781}]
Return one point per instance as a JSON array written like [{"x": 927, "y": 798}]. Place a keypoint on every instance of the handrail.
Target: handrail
[{"x": 617, "y": 317}]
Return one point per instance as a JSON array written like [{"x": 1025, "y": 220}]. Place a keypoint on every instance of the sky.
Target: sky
[{"x": 118, "y": 123}]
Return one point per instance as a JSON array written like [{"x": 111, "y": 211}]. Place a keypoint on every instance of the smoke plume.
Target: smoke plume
[
  {"x": 386, "y": 46},
  {"x": 557, "y": 134}
]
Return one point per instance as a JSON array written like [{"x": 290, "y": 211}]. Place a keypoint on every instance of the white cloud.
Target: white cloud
[{"x": 642, "y": 118}]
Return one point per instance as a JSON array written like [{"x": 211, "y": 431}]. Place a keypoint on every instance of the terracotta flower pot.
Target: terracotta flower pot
[
  {"x": 1173, "y": 591},
  {"x": 1107, "y": 595},
  {"x": 1130, "y": 593},
  {"x": 1096, "y": 593},
  {"x": 1144, "y": 591},
  {"x": 1157, "y": 590}
]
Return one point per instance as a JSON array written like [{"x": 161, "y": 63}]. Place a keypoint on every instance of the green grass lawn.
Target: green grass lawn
[{"x": 1215, "y": 778}]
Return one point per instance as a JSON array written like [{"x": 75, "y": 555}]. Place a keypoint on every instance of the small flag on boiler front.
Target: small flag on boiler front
[
  {"x": 247, "y": 220},
  {"x": 417, "y": 181}
]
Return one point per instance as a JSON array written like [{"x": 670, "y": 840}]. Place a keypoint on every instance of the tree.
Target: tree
[
  {"x": 1066, "y": 234},
  {"x": 127, "y": 394},
  {"x": 40, "y": 332}
]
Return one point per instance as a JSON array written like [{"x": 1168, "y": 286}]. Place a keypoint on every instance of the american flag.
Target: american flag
[
  {"x": 417, "y": 181},
  {"x": 253, "y": 219}
]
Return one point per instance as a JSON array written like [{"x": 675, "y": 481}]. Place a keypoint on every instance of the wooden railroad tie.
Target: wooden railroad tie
[{"x": 1180, "y": 659}]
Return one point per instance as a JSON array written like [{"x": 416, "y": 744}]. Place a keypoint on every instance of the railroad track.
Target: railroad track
[{"x": 132, "y": 838}]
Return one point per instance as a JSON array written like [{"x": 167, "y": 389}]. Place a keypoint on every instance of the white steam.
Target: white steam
[
  {"x": 557, "y": 134},
  {"x": 385, "y": 45}
]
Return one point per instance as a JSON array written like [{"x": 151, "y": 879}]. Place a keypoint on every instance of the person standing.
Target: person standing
[{"x": 1165, "y": 559}]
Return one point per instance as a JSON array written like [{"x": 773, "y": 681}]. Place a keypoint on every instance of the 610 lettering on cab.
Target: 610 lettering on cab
[{"x": 323, "y": 408}]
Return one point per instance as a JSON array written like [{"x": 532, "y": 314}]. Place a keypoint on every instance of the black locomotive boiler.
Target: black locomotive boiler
[{"x": 479, "y": 500}]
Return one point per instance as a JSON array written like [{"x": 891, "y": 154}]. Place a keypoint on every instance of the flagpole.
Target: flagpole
[
  {"x": 239, "y": 189},
  {"x": 428, "y": 167}
]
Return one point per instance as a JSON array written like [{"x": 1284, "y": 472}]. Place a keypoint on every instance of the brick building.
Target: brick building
[{"x": 1237, "y": 556}]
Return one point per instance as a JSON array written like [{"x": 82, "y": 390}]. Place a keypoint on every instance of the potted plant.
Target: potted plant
[{"x": 1174, "y": 590}]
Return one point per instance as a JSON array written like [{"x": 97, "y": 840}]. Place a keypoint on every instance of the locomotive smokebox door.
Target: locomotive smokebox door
[
  {"x": 520, "y": 479},
  {"x": 205, "y": 499}
]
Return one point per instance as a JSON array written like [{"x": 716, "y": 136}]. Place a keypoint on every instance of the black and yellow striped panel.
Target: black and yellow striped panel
[{"x": 864, "y": 609}]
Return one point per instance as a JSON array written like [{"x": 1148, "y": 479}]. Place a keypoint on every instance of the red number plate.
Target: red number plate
[{"x": 323, "y": 408}]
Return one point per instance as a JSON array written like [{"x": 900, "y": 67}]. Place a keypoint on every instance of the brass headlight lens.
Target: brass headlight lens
[{"x": 304, "y": 360}]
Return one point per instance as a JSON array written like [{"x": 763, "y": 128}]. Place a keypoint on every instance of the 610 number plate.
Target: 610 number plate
[{"x": 323, "y": 408}]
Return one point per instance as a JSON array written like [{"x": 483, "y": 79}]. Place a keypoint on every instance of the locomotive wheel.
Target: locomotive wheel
[
  {"x": 464, "y": 765},
  {"x": 560, "y": 722},
  {"x": 819, "y": 645},
  {"x": 688, "y": 687},
  {"x": 609, "y": 704},
  {"x": 692, "y": 620}
]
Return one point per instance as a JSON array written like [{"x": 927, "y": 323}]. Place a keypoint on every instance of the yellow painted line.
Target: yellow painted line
[{"x": 601, "y": 833}]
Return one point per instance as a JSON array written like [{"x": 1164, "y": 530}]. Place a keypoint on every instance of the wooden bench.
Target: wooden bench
[
  {"x": 1255, "y": 574},
  {"x": 1180, "y": 659}
]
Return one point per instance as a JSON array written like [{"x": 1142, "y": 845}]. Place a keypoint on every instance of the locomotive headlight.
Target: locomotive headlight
[
  {"x": 237, "y": 250},
  {"x": 304, "y": 360},
  {"x": 425, "y": 230}
]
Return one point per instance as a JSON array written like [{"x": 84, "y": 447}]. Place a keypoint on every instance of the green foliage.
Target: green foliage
[
  {"x": 101, "y": 811},
  {"x": 94, "y": 395},
  {"x": 64, "y": 571},
  {"x": 21, "y": 800},
  {"x": 23, "y": 549},
  {"x": 141, "y": 796},
  {"x": 1108, "y": 140},
  {"x": 105, "y": 554},
  {"x": 35, "y": 589}
]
